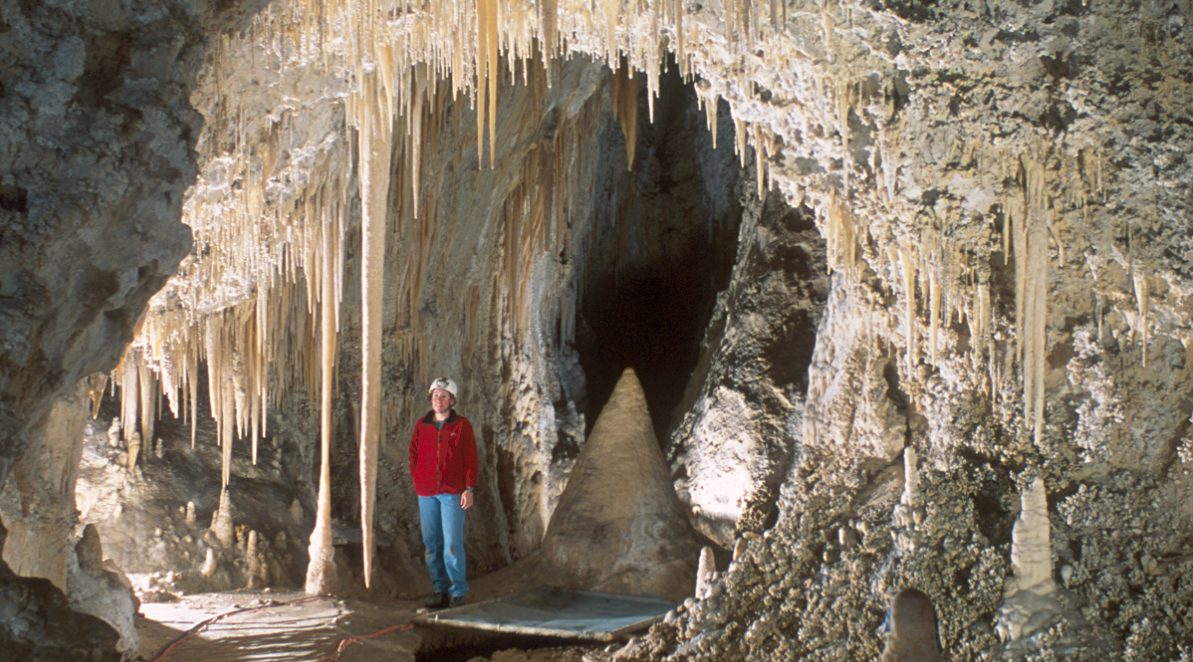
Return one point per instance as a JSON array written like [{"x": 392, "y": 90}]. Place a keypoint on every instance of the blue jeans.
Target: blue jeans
[{"x": 443, "y": 535}]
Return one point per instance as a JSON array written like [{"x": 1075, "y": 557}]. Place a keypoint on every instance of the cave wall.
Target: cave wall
[
  {"x": 1038, "y": 84},
  {"x": 97, "y": 133},
  {"x": 97, "y": 130}
]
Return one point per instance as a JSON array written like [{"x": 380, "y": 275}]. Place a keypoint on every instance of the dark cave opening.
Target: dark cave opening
[{"x": 659, "y": 259}]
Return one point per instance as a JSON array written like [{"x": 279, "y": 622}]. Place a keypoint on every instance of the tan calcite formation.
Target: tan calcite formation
[
  {"x": 90, "y": 552},
  {"x": 37, "y": 503},
  {"x": 619, "y": 526}
]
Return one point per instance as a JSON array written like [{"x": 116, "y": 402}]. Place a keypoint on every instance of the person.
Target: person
[
  {"x": 912, "y": 635},
  {"x": 444, "y": 469}
]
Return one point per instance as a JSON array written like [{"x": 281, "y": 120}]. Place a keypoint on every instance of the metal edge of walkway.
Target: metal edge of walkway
[{"x": 457, "y": 617}]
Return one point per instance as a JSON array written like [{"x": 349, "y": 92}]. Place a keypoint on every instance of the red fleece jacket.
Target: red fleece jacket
[{"x": 443, "y": 461}]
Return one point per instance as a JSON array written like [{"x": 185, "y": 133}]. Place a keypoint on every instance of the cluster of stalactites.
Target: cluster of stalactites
[
  {"x": 207, "y": 316},
  {"x": 254, "y": 246},
  {"x": 938, "y": 275},
  {"x": 948, "y": 281},
  {"x": 265, "y": 280}
]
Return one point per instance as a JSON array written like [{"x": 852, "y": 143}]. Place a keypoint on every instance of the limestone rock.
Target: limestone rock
[
  {"x": 999, "y": 190},
  {"x": 42, "y": 627},
  {"x": 104, "y": 593},
  {"x": 39, "y": 500},
  {"x": 90, "y": 552},
  {"x": 913, "y": 630}
]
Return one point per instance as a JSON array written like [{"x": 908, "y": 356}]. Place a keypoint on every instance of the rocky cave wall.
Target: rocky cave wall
[
  {"x": 1002, "y": 193},
  {"x": 97, "y": 132}
]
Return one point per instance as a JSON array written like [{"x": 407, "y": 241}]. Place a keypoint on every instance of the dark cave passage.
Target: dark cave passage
[{"x": 659, "y": 257}]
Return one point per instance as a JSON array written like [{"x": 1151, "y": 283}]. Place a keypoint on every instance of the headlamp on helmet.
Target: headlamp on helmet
[{"x": 446, "y": 384}]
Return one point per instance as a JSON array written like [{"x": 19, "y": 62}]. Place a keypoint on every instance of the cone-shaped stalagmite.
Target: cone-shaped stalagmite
[{"x": 619, "y": 525}]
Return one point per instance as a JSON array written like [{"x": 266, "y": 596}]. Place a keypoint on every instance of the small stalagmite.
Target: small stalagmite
[
  {"x": 209, "y": 565},
  {"x": 619, "y": 525},
  {"x": 705, "y": 572},
  {"x": 258, "y": 571},
  {"x": 1030, "y": 599},
  {"x": 1031, "y": 543},
  {"x": 90, "y": 551},
  {"x": 134, "y": 449},
  {"x": 221, "y": 521}
]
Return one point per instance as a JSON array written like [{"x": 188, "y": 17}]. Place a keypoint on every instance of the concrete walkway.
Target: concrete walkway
[{"x": 239, "y": 627}]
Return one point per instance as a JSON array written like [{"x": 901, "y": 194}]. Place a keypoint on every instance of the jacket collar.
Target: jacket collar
[{"x": 429, "y": 419}]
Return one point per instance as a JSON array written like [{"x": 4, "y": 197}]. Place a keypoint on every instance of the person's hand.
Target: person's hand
[{"x": 466, "y": 499}]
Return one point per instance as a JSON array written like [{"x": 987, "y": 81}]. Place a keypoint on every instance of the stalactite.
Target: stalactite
[
  {"x": 612, "y": 9},
  {"x": 192, "y": 378},
  {"x": 840, "y": 234},
  {"x": 375, "y": 147},
  {"x": 482, "y": 68},
  {"x": 983, "y": 325},
  {"x": 934, "y": 290},
  {"x": 1142, "y": 301},
  {"x": 840, "y": 91},
  {"x": 909, "y": 278},
  {"x": 623, "y": 88},
  {"x": 1031, "y": 272},
  {"x": 681, "y": 51},
  {"x": 491, "y": 78},
  {"x": 740, "y": 127},
  {"x": 827, "y": 26},
  {"x": 549, "y": 33},
  {"x": 95, "y": 391},
  {"x": 760, "y": 160}
]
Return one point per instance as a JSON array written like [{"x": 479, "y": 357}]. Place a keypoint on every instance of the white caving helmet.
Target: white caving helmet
[{"x": 445, "y": 383}]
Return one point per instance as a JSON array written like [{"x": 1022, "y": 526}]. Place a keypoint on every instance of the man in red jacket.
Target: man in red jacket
[{"x": 444, "y": 468}]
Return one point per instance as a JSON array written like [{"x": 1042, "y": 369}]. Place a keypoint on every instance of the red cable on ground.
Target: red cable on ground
[{"x": 356, "y": 640}]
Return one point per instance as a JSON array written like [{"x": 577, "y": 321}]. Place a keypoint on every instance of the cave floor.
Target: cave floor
[
  {"x": 276, "y": 625},
  {"x": 289, "y": 625}
]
